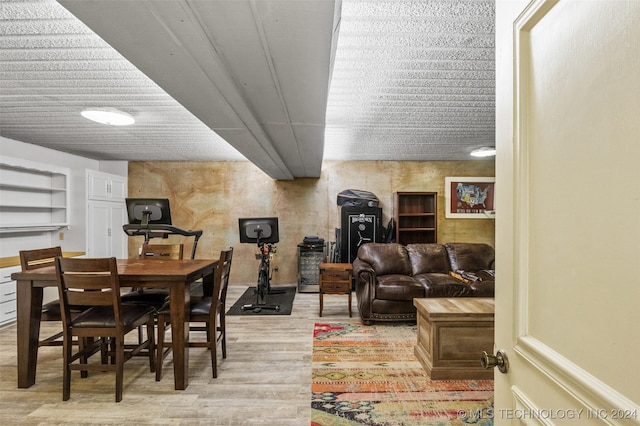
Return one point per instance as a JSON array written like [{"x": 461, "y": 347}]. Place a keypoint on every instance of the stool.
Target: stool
[{"x": 335, "y": 278}]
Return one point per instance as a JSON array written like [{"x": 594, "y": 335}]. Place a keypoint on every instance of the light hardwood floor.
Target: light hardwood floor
[{"x": 265, "y": 379}]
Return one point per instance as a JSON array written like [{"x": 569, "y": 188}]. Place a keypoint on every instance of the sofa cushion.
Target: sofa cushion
[
  {"x": 470, "y": 256},
  {"x": 398, "y": 287},
  {"x": 426, "y": 258},
  {"x": 443, "y": 285},
  {"x": 386, "y": 258},
  {"x": 483, "y": 288}
]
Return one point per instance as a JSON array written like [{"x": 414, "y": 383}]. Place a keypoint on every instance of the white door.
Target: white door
[
  {"x": 105, "y": 237},
  {"x": 568, "y": 225},
  {"x": 98, "y": 226},
  {"x": 118, "y": 237}
]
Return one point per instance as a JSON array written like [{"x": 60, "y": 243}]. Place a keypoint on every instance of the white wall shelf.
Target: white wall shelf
[{"x": 34, "y": 197}]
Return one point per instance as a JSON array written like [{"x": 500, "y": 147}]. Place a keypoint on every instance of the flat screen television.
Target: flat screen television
[
  {"x": 264, "y": 228},
  {"x": 147, "y": 211}
]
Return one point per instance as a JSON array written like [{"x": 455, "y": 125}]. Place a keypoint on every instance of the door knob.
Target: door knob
[{"x": 499, "y": 360}]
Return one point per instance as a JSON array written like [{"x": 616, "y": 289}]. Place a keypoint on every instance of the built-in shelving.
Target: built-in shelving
[
  {"x": 416, "y": 217},
  {"x": 33, "y": 197}
]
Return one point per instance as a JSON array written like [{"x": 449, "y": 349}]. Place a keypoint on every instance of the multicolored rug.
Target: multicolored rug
[{"x": 368, "y": 375}]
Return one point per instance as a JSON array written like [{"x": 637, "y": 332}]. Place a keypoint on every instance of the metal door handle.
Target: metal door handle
[{"x": 499, "y": 360}]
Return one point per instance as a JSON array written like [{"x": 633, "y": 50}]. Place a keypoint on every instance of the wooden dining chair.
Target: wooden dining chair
[
  {"x": 206, "y": 309},
  {"x": 94, "y": 283},
  {"x": 162, "y": 251},
  {"x": 40, "y": 258},
  {"x": 155, "y": 297}
]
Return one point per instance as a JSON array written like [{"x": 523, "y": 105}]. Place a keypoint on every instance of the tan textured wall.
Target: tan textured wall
[{"x": 212, "y": 196}]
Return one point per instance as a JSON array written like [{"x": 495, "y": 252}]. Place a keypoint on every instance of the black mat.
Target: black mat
[{"x": 282, "y": 296}]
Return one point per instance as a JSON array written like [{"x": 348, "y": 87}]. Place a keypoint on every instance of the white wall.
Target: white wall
[{"x": 74, "y": 237}]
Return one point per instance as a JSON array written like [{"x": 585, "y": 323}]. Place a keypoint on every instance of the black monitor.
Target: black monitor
[
  {"x": 146, "y": 211},
  {"x": 263, "y": 228}
]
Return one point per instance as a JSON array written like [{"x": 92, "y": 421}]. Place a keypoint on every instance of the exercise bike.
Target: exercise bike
[{"x": 263, "y": 287}]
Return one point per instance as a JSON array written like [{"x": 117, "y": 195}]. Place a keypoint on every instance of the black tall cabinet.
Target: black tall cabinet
[{"x": 359, "y": 225}]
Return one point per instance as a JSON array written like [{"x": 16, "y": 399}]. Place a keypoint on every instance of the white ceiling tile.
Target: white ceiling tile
[{"x": 411, "y": 80}]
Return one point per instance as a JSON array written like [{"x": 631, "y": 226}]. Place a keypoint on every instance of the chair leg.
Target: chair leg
[
  {"x": 83, "y": 343},
  {"x": 151, "y": 345},
  {"x": 223, "y": 334},
  {"x": 160, "y": 347},
  {"x": 66, "y": 375},
  {"x": 213, "y": 345},
  {"x": 119, "y": 343},
  {"x": 104, "y": 351}
]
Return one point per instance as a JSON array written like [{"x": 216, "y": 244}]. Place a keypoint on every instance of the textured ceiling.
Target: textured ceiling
[
  {"x": 411, "y": 80},
  {"x": 52, "y": 66}
]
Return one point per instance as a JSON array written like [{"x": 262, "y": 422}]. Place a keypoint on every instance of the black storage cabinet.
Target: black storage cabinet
[{"x": 360, "y": 225}]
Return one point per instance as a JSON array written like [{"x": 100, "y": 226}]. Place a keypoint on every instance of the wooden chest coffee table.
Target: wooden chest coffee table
[{"x": 452, "y": 334}]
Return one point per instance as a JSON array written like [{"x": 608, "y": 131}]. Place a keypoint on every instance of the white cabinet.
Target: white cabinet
[
  {"x": 33, "y": 196},
  {"x": 8, "y": 309},
  {"x": 105, "y": 186},
  {"x": 106, "y": 214},
  {"x": 105, "y": 237}
]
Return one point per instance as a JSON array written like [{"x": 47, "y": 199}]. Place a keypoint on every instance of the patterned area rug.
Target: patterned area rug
[{"x": 368, "y": 375}]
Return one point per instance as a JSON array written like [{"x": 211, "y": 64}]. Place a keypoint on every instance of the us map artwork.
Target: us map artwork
[{"x": 471, "y": 197}]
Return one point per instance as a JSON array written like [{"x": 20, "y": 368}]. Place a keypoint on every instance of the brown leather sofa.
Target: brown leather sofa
[{"x": 389, "y": 276}]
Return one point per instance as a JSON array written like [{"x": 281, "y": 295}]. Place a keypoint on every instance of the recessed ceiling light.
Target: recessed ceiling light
[
  {"x": 484, "y": 152},
  {"x": 111, "y": 116}
]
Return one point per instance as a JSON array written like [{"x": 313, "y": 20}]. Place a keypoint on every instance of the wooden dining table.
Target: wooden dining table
[{"x": 177, "y": 275}]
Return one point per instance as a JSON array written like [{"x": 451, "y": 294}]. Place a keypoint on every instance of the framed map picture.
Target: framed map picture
[{"x": 469, "y": 197}]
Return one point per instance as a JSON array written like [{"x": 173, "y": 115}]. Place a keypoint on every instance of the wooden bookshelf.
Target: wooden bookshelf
[{"x": 416, "y": 217}]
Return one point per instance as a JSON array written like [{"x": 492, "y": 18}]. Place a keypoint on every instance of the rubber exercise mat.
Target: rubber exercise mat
[{"x": 281, "y": 296}]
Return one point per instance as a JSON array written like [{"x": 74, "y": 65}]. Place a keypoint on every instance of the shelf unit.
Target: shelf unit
[
  {"x": 33, "y": 196},
  {"x": 416, "y": 217}
]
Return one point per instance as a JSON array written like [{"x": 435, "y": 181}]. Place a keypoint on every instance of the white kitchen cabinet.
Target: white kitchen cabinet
[
  {"x": 8, "y": 308},
  {"x": 105, "y": 186},
  {"x": 105, "y": 237},
  {"x": 106, "y": 214}
]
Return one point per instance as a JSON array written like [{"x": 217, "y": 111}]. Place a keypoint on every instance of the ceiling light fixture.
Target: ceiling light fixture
[
  {"x": 111, "y": 116},
  {"x": 484, "y": 152}
]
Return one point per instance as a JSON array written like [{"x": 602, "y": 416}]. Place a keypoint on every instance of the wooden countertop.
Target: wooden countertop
[{"x": 6, "y": 262}]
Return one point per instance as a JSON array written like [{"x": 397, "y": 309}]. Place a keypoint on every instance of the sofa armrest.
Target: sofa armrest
[
  {"x": 365, "y": 278},
  {"x": 363, "y": 271}
]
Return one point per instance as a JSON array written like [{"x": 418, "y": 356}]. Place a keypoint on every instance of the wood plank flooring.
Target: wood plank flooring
[{"x": 265, "y": 380}]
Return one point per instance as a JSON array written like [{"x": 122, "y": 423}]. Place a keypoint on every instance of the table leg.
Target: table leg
[
  {"x": 321, "y": 300},
  {"x": 179, "y": 295},
  {"x": 29, "y": 305}
]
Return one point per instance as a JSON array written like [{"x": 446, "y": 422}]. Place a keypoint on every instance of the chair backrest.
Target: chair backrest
[
  {"x": 162, "y": 251},
  {"x": 88, "y": 282},
  {"x": 39, "y": 258},
  {"x": 224, "y": 267}
]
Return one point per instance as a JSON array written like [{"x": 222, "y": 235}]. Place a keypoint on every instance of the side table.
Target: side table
[{"x": 335, "y": 278}]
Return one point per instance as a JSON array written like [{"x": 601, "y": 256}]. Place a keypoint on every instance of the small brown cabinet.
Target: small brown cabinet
[
  {"x": 416, "y": 217},
  {"x": 335, "y": 278}
]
